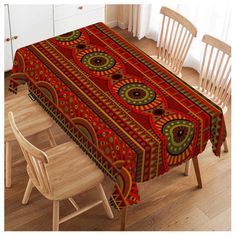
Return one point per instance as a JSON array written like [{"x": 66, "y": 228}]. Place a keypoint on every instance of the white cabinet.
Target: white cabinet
[
  {"x": 72, "y": 16},
  {"x": 31, "y": 23},
  {"x": 28, "y": 24},
  {"x": 7, "y": 41}
]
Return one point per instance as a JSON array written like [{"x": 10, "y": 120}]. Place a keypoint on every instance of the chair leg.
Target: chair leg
[
  {"x": 8, "y": 163},
  {"x": 123, "y": 218},
  {"x": 197, "y": 171},
  {"x": 226, "y": 146},
  {"x": 51, "y": 138},
  {"x": 187, "y": 167},
  {"x": 105, "y": 202},
  {"x": 55, "y": 218},
  {"x": 27, "y": 193}
]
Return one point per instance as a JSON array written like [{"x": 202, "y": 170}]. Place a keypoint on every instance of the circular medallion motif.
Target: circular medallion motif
[
  {"x": 137, "y": 94},
  {"x": 98, "y": 61},
  {"x": 179, "y": 135},
  {"x": 67, "y": 37}
]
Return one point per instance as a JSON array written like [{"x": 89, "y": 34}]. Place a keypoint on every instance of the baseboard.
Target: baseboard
[
  {"x": 111, "y": 24},
  {"x": 122, "y": 25}
]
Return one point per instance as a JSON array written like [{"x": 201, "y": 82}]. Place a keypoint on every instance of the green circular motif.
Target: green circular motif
[
  {"x": 179, "y": 135},
  {"x": 68, "y": 36},
  {"x": 98, "y": 61},
  {"x": 137, "y": 94}
]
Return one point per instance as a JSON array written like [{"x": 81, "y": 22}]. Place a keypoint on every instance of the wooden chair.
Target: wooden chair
[
  {"x": 214, "y": 77},
  {"x": 60, "y": 173},
  {"x": 31, "y": 119},
  {"x": 175, "y": 39}
]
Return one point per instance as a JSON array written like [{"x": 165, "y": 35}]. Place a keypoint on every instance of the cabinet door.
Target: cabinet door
[
  {"x": 7, "y": 41},
  {"x": 30, "y": 24},
  {"x": 71, "y": 17}
]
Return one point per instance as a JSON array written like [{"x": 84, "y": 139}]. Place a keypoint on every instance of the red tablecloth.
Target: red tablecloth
[{"x": 132, "y": 116}]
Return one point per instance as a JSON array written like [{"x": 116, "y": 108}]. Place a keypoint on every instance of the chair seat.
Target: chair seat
[
  {"x": 29, "y": 116},
  {"x": 166, "y": 66},
  {"x": 70, "y": 171}
]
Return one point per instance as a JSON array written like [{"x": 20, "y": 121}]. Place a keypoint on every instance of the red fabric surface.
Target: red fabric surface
[{"x": 132, "y": 116}]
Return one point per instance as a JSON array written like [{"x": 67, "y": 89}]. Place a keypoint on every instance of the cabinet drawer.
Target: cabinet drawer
[
  {"x": 28, "y": 13},
  {"x": 78, "y": 21},
  {"x": 65, "y": 11}
]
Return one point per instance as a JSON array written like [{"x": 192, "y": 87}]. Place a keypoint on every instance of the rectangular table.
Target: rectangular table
[{"x": 131, "y": 115}]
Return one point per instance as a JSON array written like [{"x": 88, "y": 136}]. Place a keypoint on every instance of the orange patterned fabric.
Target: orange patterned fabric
[{"x": 132, "y": 116}]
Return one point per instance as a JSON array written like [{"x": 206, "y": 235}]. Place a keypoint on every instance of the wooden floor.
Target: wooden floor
[{"x": 170, "y": 202}]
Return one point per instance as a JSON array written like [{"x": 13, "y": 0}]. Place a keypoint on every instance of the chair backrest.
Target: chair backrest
[
  {"x": 175, "y": 39},
  {"x": 215, "y": 71},
  {"x": 35, "y": 158}
]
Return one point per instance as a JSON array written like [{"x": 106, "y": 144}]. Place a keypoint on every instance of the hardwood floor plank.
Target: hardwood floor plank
[{"x": 218, "y": 223}]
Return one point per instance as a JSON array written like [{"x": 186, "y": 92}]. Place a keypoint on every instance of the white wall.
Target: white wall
[{"x": 117, "y": 15}]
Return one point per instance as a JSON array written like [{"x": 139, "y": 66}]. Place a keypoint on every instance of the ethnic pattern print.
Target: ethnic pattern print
[
  {"x": 179, "y": 134},
  {"x": 137, "y": 94},
  {"x": 68, "y": 37},
  {"x": 133, "y": 91},
  {"x": 131, "y": 116},
  {"x": 96, "y": 61}
]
